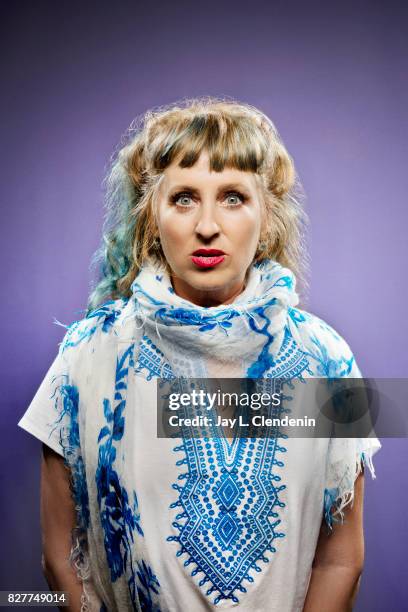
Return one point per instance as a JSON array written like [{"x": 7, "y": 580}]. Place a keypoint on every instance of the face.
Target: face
[{"x": 209, "y": 225}]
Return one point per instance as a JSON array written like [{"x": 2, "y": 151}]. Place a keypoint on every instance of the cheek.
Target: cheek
[
  {"x": 245, "y": 228},
  {"x": 172, "y": 231}
]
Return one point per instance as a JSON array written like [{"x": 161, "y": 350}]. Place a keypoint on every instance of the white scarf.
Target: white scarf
[
  {"x": 241, "y": 339},
  {"x": 254, "y": 337}
]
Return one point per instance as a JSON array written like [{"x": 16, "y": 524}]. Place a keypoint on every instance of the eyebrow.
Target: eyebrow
[{"x": 226, "y": 187}]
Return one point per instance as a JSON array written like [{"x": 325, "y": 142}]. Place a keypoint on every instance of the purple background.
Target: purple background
[{"x": 330, "y": 76}]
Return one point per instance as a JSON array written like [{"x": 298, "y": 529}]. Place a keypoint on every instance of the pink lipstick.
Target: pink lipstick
[{"x": 207, "y": 258}]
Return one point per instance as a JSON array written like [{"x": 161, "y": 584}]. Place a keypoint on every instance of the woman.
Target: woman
[{"x": 202, "y": 247}]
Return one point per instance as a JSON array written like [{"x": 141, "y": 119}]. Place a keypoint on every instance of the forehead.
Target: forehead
[{"x": 201, "y": 176}]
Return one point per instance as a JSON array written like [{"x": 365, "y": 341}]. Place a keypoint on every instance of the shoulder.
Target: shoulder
[
  {"x": 324, "y": 345},
  {"x": 99, "y": 321}
]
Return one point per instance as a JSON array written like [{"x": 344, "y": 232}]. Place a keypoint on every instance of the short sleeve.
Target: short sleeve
[
  {"x": 53, "y": 416},
  {"x": 47, "y": 416}
]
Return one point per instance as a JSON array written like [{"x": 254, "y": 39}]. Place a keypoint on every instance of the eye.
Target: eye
[
  {"x": 182, "y": 199},
  {"x": 234, "y": 198}
]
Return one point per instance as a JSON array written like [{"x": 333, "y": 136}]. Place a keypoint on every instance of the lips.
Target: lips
[
  {"x": 208, "y": 252},
  {"x": 207, "y": 258}
]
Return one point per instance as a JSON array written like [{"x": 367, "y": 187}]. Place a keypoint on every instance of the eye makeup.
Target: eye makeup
[{"x": 224, "y": 192}]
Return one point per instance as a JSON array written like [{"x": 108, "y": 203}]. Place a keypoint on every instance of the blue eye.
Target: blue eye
[
  {"x": 182, "y": 199},
  {"x": 238, "y": 197}
]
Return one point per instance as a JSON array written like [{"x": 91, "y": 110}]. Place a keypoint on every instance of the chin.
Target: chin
[{"x": 209, "y": 280}]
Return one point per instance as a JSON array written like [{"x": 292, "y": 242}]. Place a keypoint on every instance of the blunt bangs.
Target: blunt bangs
[{"x": 230, "y": 141}]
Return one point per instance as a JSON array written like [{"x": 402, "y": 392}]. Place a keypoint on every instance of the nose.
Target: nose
[{"x": 207, "y": 226}]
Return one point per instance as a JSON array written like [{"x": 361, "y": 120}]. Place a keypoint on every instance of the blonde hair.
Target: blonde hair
[{"x": 235, "y": 135}]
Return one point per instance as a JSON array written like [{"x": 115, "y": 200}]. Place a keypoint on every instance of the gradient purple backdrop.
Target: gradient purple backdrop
[{"x": 333, "y": 79}]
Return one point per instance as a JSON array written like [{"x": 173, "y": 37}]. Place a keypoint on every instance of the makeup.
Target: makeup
[{"x": 207, "y": 258}]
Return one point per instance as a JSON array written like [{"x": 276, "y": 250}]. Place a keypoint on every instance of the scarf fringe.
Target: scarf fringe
[
  {"x": 79, "y": 560},
  {"x": 338, "y": 499}
]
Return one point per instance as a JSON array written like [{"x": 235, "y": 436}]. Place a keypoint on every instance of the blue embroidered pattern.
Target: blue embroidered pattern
[
  {"x": 203, "y": 321},
  {"x": 66, "y": 401},
  {"x": 147, "y": 586},
  {"x": 228, "y": 519},
  {"x": 327, "y": 367},
  {"x": 265, "y": 360},
  {"x": 151, "y": 361},
  {"x": 102, "y": 317},
  {"x": 230, "y": 526},
  {"x": 121, "y": 520},
  {"x": 291, "y": 361},
  {"x": 297, "y": 316}
]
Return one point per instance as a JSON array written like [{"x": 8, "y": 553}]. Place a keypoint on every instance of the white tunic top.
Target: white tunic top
[{"x": 193, "y": 523}]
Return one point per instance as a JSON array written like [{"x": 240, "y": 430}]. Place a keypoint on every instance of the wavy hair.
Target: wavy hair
[{"x": 235, "y": 135}]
